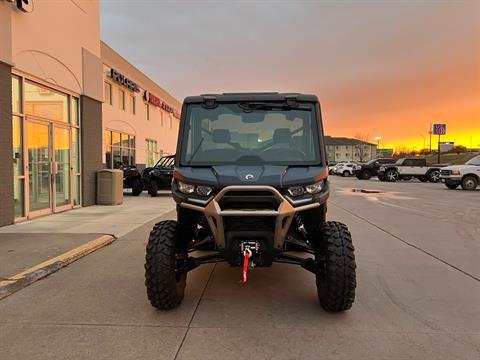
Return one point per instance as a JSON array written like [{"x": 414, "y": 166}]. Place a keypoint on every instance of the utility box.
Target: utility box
[{"x": 109, "y": 187}]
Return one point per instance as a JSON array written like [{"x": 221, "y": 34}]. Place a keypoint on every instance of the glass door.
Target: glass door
[
  {"x": 61, "y": 168},
  {"x": 39, "y": 168}
]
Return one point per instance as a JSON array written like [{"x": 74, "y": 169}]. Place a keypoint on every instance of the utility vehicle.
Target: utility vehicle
[
  {"x": 251, "y": 186},
  {"x": 159, "y": 176}
]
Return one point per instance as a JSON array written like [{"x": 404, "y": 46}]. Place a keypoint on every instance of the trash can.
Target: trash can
[{"x": 109, "y": 187}]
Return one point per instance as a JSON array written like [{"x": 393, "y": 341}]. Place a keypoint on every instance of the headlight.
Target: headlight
[
  {"x": 185, "y": 188},
  {"x": 204, "y": 190},
  {"x": 314, "y": 188},
  {"x": 296, "y": 191},
  {"x": 456, "y": 172}
]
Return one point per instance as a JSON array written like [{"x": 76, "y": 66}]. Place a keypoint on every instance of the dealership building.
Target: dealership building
[{"x": 70, "y": 106}]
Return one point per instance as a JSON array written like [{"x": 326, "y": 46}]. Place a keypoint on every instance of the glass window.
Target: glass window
[
  {"x": 46, "y": 103},
  {"x": 16, "y": 95},
  {"x": 147, "y": 111},
  {"x": 108, "y": 93},
  {"x": 75, "y": 150},
  {"x": 75, "y": 111},
  {"x": 132, "y": 104},
  {"x": 132, "y": 156},
  {"x": 18, "y": 197},
  {"x": 17, "y": 146},
  {"x": 76, "y": 190},
  {"x": 121, "y": 150},
  {"x": 121, "y": 99},
  {"x": 115, "y": 138},
  {"x": 108, "y": 157},
  {"x": 125, "y": 140},
  {"x": 233, "y": 132},
  {"x": 116, "y": 157},
  {"x": 151, "y": 155}
]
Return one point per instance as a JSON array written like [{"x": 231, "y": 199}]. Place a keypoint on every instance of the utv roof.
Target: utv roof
[{"x": 254, "y": 96}]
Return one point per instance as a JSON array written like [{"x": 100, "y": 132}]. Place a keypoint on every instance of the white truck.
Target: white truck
[
  {"x": 408, "y": 168},
  {"x": 467, "y": 175}
]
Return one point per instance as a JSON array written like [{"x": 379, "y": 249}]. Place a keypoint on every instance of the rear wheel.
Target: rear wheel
[
  {"x": 137, "y": 187},
  {"x": 391, "y": 175},
  {"x": 165, "y": 277},
  {"x": 153, "y": 188},
  {"x": 345, "y": 173},
  {"x": 336, "y": 280},
  {"x": 434, "y": 176},
  {"x": 365, "y": 175},
  {"x": 469, "y": 183}
]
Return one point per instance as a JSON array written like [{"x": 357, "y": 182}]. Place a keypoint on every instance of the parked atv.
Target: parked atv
[
  {"x": 251, "y": 186},
  {"x": 159, "y": 176}
]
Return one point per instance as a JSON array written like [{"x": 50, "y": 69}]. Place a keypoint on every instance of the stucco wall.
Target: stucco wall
[
  {"x": 115, "y": 118},
  {"x": 47, "y": 43}
]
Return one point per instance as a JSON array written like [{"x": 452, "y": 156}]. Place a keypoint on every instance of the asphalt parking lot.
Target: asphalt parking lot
[{"x": 418, "y": 294}]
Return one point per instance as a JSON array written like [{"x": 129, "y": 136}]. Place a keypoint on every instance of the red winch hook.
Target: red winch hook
[{"x": 246, "y": 256}]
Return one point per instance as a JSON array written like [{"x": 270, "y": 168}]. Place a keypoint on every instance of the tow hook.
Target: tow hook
[{"x": 247, "y": 249}]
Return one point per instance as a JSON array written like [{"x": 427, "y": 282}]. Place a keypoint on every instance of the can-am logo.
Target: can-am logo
[
  {"x": 23, "y": 5},
  {"x": 122, "y": 80}
]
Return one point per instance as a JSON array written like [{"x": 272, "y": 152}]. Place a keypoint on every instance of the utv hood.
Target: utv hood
[{"x": 278, "y": 176}]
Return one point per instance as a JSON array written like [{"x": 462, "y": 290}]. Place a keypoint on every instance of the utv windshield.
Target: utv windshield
[{"x": 251, "y": 133}]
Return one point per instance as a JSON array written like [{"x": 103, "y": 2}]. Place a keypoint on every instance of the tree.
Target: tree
[{"x": 362, "y": 149}]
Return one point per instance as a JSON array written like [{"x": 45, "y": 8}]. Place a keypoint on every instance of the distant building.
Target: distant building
[
  {"x": 384, "y": 153},
  {"x": 446, "y": 146},
  {"x": 348, "y": 149}
]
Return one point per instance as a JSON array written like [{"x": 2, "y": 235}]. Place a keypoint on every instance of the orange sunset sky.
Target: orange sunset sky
[{"x": 382, "y": 68}]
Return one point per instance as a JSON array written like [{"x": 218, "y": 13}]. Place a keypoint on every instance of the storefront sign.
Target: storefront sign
[
  {"x": 152, "y": 99},
  {"x": 122, "y": 80}
]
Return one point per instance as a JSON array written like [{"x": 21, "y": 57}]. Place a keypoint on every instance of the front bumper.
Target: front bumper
[
  {"x": 451, "y": 179},
  {"x": 283, "y": 213}
]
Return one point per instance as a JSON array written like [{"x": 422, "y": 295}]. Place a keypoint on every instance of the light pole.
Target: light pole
[{"x": 378, "y": 138}]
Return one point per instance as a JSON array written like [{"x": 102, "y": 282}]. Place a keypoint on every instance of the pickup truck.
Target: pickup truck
[
  {"x": 370, "y": 169},
  {"x": 408, "y": 168},
  {"x": 467, "y": 175}
]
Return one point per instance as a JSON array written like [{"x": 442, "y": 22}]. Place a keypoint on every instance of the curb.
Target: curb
[{"x": 37, "y": 272}]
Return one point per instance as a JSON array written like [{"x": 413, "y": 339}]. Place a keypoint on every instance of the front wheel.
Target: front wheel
[
  {"x": 153, "y": 188},
  {"x": 165, "y": 277},
  {"x": 469, "y": 183},
  {"x": 346, "y": 173},
  {"x": 336, "y": 279},
  {"x": 137, "y": 187}
]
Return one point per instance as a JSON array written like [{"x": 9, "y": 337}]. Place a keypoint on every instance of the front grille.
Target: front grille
[
  {"x": 446, "y": 172},
  {"x": 247, "y": 223},
  {"x": 249, "y": 200}
]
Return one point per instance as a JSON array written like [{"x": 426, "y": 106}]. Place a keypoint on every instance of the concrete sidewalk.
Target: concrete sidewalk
[
  {"x": 113, "y": 220},
  {"x": 36, "y": 248}
]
